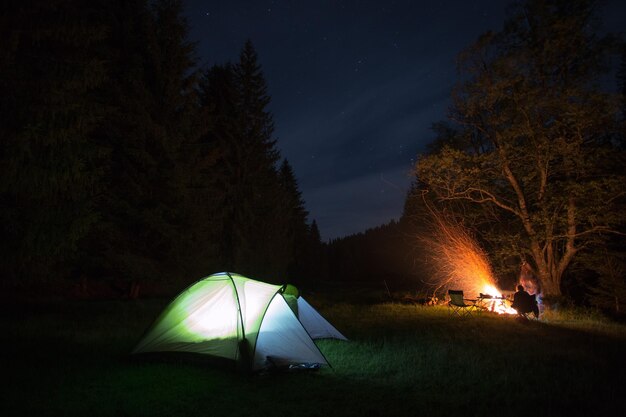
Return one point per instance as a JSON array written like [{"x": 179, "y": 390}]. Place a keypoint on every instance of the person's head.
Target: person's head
[{"x": 520, "y": 288}]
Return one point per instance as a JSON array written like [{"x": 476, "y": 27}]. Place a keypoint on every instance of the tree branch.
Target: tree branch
[{"x": 484, "y": 197}]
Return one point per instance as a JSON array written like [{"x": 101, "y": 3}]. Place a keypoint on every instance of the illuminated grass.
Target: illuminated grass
[{"x": 71, "y": 359}]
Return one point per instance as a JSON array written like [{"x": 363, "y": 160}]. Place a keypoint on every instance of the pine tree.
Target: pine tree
[
  {"x": 316, "y": 262},
  {"x": 152, "y": 107},
  {"x": 255, "y": 229},
  {"x": 298, "y": 228},
  {"x": 50, "y": 69},
  {"x": 186, "y": 161},
  {"x": 218, "y": 99}
]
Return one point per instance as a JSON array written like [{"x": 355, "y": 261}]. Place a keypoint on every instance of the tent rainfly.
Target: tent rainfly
[{"x": 256, "y": 324}]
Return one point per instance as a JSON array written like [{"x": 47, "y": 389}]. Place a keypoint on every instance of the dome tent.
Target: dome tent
[
  {"x": 316, "y": 325},
  {"x": 230, "y": 316}
]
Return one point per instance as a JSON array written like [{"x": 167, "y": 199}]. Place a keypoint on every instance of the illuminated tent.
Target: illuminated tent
[
  {"x": 230, "y": 316},
  {"x": 315, "y": 324}
]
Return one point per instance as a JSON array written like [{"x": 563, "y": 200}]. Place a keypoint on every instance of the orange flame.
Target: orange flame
[{"x": 459, "y": 263}]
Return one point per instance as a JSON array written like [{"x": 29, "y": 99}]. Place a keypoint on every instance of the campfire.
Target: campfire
[
  {"x": 493, "y": 300},
  {"x": 458, "y": 262}
]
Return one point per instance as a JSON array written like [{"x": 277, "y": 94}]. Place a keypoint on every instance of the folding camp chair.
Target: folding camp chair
[
  {"x": 526, "y": 306},
  {"x": 458, "y": 305}
]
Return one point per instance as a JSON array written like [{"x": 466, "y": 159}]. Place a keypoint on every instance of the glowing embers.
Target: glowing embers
[
  {"x": 459, "y": 263},
  {"x": 456, "y": 260}
]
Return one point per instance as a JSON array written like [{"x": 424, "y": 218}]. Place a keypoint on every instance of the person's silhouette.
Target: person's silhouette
[{"x": 525, "y": 303}]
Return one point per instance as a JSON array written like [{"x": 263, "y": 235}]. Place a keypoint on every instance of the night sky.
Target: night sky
[{"x": 355, "y": 87}]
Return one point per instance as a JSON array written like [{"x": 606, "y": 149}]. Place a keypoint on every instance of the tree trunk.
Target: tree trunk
[
  {"x": 549, "y": 278},
  {"x": 550, "y": 283}
]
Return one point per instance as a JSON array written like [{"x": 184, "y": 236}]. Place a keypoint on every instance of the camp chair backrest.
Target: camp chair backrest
[
  {"x": 459, "y": 307},
  {"x": 456, "y": 297}
]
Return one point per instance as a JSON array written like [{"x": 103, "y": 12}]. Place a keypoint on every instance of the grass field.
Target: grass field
[{"x": 71, "y": 358}]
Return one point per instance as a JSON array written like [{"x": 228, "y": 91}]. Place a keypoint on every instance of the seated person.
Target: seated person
[{"x": 525, "y": 303}]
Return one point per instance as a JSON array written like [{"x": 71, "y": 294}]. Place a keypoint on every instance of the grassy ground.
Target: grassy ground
[{"x": 71, "y": 358}]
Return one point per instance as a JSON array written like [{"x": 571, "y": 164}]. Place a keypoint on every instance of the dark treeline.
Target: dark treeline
[
  {"x": 389, "y": 255},
  {"x": 392, "y": 257},
  {"x": 122, "y": 160}
]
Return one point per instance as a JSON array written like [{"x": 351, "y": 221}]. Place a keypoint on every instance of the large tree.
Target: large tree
[{"x": 535, "y": 146}]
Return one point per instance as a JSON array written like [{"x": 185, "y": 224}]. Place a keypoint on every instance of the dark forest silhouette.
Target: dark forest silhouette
[
  {"x": 121, "y": 160},
  {"x": 124, "y": 162}
]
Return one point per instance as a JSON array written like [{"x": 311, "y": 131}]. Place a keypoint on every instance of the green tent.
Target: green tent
[{"x": 227, "y": 315}]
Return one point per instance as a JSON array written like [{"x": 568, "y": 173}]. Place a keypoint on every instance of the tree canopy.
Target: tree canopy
[{"x": 534, "y": 140}]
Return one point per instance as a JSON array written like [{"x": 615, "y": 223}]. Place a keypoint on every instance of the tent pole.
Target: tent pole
[{"x": 243, "y": 330}]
